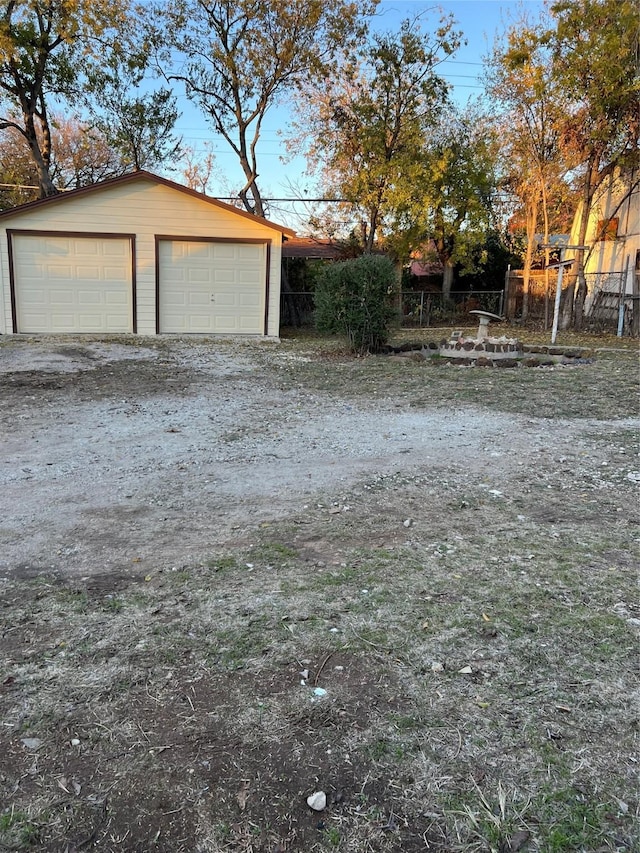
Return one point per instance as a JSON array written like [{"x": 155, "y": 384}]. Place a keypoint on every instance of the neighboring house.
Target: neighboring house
[
  {"x": 613, "y": 235},
  {"x": 314, "y": 249},
  {"x": 426, "y": 269},
  {"x": 138, "y": 254}
]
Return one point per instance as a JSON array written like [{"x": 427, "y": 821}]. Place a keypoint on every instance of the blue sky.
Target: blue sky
[{"x": 480, "y": 21}]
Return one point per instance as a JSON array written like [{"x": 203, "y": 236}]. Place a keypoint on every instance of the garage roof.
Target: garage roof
[{"x": 135, "y": 177}]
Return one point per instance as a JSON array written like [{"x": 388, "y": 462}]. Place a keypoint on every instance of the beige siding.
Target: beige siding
[
  {"x": 611, "y": 256},
  {"x": 146, "y": 209}
]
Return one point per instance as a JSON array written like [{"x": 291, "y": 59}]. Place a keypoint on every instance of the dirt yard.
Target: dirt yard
[{"x": 237, "y": 574}]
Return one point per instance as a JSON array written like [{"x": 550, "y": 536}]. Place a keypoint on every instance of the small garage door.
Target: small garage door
[
  {"x": 211, "y": 287},
  {"x": 72, "y": 284}
]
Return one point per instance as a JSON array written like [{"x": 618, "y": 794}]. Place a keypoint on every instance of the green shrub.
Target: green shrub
[{"x": 354, "y": 298}]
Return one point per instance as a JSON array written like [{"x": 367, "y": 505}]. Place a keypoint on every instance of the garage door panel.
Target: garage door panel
[
  {"x": 249, "y": 252},
  {"x": 248, "y": 300},
  {"x": 175, "y": 300},
  {"x": 244, "y": 325},
  {"x": 199, "y": 275},
  {"x": 61, "y": 298},
  {"x": 116, "y": 274},
  {"x": 224, "y": 251},
  {"x": 34, "y": 299},
  {"x": 116, "y": 249},
  {"x": 199, "y": 300},
  {"x": 85, "y": 246},
  {"x": 245, "y": 279},
  {"x": 63, "y": 322},
  {"x": 80, "y": 284},
  {"x": 222, "y": 285},
  {"x": 226, "y": 300},
  {"x": 59, "y": 273},
  {"x": 120, "y": 299},
  {"x": 90, "y": 273},
  {"x": 85, "y": 299}
]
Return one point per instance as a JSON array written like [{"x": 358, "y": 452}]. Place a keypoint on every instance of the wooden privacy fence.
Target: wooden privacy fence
[{"x": 542, "y": 289}]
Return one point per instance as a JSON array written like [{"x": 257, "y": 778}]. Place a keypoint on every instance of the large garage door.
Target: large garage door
[
  {"x": 72, "y": 284},
  {"x": 210, "y": 287}
]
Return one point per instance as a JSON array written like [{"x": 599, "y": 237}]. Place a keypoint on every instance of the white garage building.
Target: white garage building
[{"x": 138, "y": 254}]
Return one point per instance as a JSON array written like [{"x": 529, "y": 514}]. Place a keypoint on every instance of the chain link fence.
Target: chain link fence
[
  {"x": 419, "y": 308},
  {"x": 607, "y": 305},
  {"x": 610, "y": 307},
  {"x": 423, "y": 309}
]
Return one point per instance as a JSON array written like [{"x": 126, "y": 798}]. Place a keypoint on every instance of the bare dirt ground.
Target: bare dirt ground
[{"x": 236, "y": 574}]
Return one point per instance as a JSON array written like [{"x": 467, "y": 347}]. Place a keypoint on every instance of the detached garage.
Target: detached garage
[{"x": 139, "y": 254}]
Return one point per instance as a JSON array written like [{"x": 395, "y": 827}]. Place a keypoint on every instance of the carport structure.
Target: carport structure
[{"x": 139, "y": 254}]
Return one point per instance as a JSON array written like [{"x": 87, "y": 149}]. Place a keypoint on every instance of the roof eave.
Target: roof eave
[{"x": 132, "y": 177}]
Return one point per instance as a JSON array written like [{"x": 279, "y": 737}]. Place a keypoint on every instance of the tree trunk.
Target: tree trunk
[
  {"x": 588, "y": 191},
  {"x": 532, "y": 219},
  {"x": 46, "y": 185},
  {"x": 566, "y": 304},
  {"x": 369, "y": 238},
  {"x": 447, "y": 279},
  {"x": 254, "y": 203},
  {"x": 547, "y": 252}
]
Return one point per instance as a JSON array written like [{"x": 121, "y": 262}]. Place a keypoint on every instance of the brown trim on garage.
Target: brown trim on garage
[
  {"x": 137, "y": 177},
  {"x": 156, "y": 251},
  {"x": 12, "y": 285},
  {"x": 187, "y": 239},
  {"x": 29, "y": 232},
  {"x": 267, "y": 285},
  {"x": 180, "y": 238},
  {"x": 134, "y": 285}
]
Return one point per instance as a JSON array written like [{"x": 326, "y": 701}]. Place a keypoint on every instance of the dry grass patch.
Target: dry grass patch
[{"x": 450, "y": 656}]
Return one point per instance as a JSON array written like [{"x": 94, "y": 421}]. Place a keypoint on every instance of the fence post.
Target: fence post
[
  {"x": 623, "y": 293},
  {"x": 556, "y": 304},
  {"x": 546, "y": 299},
  {"x": 635, "y": 299},
  {"x": 505, "y": 292}
]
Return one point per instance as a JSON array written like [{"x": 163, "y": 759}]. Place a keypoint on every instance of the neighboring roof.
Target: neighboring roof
[
  {"x": 559, "y": 241},
  {"x": 425, "y": 262},
  {"x": 421, "y": 269},
  {"x": 135, "y": 177},
  {"x": 312, "y": 247}
]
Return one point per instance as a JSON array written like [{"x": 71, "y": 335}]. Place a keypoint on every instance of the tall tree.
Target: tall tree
[
  {"x": 533, "y": 105},
  {"x": 595, "y": 59},
  {"x": 18, "y": 178},
  {"x": 198, "y": 168},
  {"x": 138, "y": 124},
  {"x": 38, "y": 61},
  {"x": 459, "y": 192},
  {"x": 81, "y": 156},
  {"x": 241, "y": 57},
  {"x": 365, "y": 128}
]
